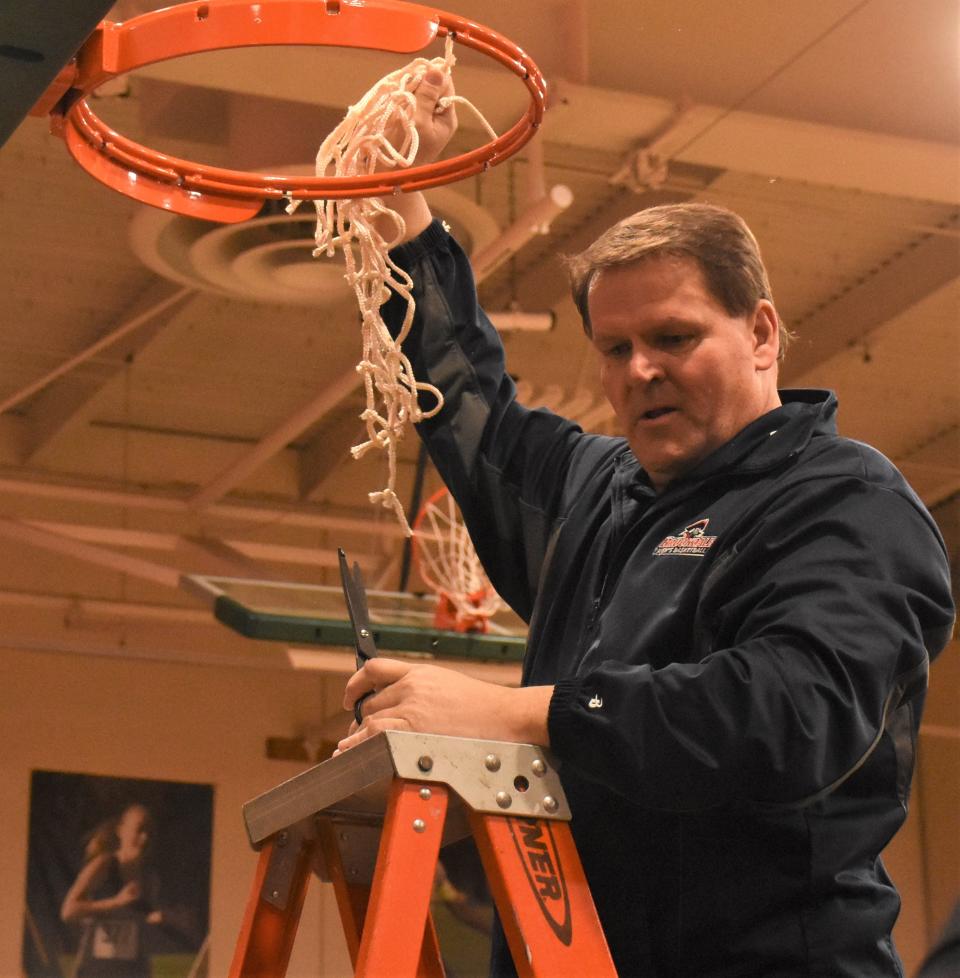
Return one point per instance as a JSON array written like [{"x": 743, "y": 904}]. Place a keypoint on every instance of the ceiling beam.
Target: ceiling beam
[
  {"x": 538, "y": 274},
  {"x": 67, "y": 396},
  {"x": 276, "y": 440},
  {"x": 258, "y": 513},
  {"x": 925, "y": 470},
  {"x": 101, "y": 556},
  {"x": 932, "y": 483},
  {"x": 151, "y": 309},
  {"x": 327, "y": 448},
  {"x": 220, "y": 557},
  {"x": 714, "y": 136},
  {"x": 196, "y": 554},
  {"x": 917, "y": 271}
]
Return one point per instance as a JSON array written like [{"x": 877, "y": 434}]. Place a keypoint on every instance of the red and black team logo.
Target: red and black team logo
[
  {"x": 541, "y": 863},
  {"x": 692, "y": 541}
]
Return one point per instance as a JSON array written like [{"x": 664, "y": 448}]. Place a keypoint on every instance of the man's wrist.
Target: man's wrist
[
  {"x": 414, "y": 211},
  {"x": 531, "y": 706}
]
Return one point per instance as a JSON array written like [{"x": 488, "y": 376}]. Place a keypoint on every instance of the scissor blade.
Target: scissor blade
[
  {"x": 356, "y": 598},
  {"x": 360, "y": 594}
]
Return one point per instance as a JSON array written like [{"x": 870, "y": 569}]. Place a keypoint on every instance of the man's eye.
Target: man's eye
[
  {"x": 617, "y": 351},
  {"x": 674, "y": 340}
]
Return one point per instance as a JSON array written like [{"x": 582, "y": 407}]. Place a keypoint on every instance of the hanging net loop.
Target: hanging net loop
[
  {"x": 379, "y": 132},
  {"x": 449, "y": 565}
]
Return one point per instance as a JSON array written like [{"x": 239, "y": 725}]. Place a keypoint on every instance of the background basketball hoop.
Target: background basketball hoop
[
  {"x": 228, "y": 196},
  {"x": 450, "y": 567}
]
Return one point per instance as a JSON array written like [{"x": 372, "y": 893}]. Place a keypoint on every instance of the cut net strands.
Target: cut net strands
[
  {"x": 449, "y": 566},
  {"x": 360, "y": 145}
]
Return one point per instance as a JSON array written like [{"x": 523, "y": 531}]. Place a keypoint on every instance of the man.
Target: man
[{"x": 731, "y": 608}]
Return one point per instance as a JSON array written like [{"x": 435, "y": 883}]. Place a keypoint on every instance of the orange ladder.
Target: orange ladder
[{"x": 372, "y": 821}]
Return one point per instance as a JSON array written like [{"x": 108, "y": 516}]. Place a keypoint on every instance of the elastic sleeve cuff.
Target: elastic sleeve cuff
[
  {"x": 561, "y": 716},
  {"x": 432, "y": 238}
]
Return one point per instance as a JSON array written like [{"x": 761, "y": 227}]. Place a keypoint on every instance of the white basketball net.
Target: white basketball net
[
  {"x": 359, "y": 145},
  {"x": 448, "y": 562}
]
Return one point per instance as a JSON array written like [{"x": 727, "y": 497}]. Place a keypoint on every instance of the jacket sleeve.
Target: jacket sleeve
[
  {"x": 815, "y": 631},
  {"x": 505, "y": 465}
]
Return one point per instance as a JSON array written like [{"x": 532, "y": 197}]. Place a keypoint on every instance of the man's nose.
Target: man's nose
[{"x": 645, "y": 367}]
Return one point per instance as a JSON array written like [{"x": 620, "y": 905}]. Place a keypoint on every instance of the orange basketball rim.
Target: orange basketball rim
[{"x": 228, "y": 196}]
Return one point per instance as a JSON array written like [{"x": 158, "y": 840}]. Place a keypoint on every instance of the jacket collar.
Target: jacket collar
[{"x": 763, "y": 444}]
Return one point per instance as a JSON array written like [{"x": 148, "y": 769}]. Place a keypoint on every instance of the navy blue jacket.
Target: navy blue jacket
[{"x": 739, "y": 661}]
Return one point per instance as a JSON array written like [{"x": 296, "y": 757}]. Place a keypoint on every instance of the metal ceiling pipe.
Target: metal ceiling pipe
[{"x": 529, "y": 224}]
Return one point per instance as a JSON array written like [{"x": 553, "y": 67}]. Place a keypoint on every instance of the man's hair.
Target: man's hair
[{"x": 716, "y": 238}]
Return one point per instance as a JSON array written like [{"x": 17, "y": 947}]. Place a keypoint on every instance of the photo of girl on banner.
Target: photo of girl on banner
[{"x": 118, "y": 877}]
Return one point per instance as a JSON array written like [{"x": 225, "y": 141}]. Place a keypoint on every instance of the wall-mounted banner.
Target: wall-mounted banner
[{"x": 118, "y": 877}]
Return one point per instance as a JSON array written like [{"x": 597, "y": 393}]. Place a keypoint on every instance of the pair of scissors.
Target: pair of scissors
[{"x": 356, "y": 597}]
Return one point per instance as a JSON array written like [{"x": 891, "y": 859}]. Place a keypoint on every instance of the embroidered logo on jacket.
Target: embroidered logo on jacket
[{"x": 692, "y": 541}]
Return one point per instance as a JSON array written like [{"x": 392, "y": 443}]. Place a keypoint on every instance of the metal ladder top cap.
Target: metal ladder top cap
[{"x": 489, "y": 776}]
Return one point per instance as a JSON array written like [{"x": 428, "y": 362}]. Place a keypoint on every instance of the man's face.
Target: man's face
[{"x": 682, "y": 374}]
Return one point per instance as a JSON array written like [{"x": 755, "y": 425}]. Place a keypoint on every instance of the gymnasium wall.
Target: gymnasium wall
[
  {"x": 110, "y": 715},
  {"x": 159, "y": 720}
]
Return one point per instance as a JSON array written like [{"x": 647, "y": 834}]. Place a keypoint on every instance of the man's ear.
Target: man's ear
[{"x": 766, "y": 335}]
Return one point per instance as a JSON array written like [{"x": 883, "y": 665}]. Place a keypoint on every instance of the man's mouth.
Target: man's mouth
[{"x": 655, "y": 413}]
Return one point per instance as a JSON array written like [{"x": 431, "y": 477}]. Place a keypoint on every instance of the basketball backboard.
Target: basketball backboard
[{"x": 309, "y": 614}]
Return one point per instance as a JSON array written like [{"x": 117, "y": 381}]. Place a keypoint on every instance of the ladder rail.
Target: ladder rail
[{"x": 373, "y": 825}]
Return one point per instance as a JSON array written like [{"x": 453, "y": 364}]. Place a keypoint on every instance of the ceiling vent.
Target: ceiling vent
[{"x": 269, "y": 258}]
